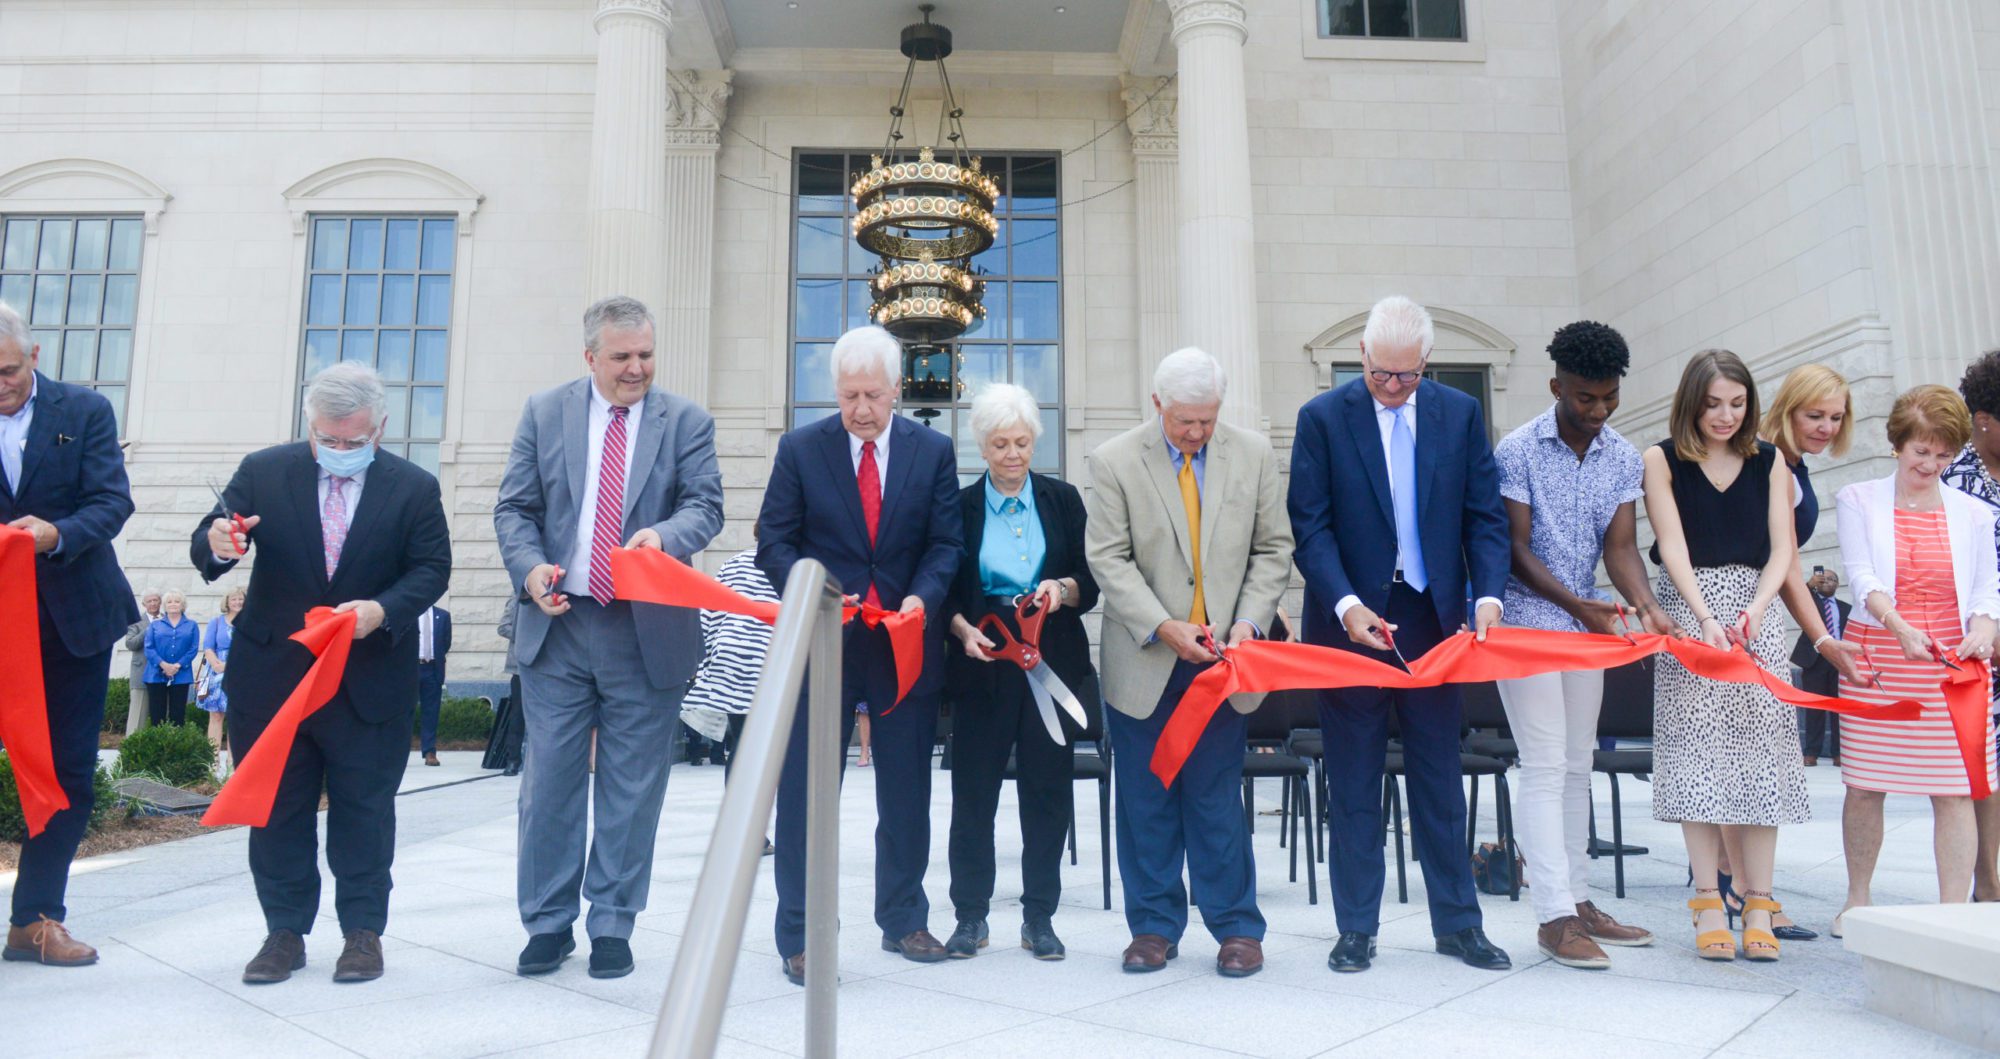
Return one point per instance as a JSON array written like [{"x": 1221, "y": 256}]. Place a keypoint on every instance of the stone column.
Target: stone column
[
  {"x": 626, "y": 208},
  {"x": 1218, "y": 272},
  {"x": 1155, "y": 186},
  {"x": 697, "y": 101}
]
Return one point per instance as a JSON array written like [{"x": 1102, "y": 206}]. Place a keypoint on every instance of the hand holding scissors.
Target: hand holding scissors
[{"x": 229, "y": 536}]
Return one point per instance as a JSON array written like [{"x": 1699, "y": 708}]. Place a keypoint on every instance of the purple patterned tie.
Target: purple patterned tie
[
  {"x": 333, "y": 521},
  {"x": 610, "y": 518}
]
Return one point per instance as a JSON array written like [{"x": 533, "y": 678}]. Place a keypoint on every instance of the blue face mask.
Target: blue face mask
[{"x": 344, "y": 463}]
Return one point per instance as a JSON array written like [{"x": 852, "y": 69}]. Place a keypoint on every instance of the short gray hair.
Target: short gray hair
[
  {"x": 1004, "y": 406},
  {"x": 151, "y": 592},
  {"x": 345, "y": 389},
  {"x": 617, "y": 313},
  {"x": 1397, "y": 322},
  {"x": 864, "y": 350},
  {"x": 14, "y": 330},
  {"x": 1190, "y": 378}
]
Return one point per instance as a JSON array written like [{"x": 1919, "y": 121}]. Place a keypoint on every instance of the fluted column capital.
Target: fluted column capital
[
  {"x": 1153, "y": 120},
  {"x": 1198, "y": 16},
  {"x": 697, "y": 104},
  {"x": 650, "y": 10}
]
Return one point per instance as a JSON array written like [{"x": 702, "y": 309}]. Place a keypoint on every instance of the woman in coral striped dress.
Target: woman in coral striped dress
[{"x": 1922, "y": 565}]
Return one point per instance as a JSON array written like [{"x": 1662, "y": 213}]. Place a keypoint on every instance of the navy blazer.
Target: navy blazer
[
  {"x": 812, "y": 510},
  {"x": 1345, "y": 521},
  {"x": 73, "y": 476},
  {"x": 440, "y": 632}
]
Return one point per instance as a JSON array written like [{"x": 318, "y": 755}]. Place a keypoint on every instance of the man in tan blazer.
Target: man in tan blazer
[{"x": 1189, "y": 541}]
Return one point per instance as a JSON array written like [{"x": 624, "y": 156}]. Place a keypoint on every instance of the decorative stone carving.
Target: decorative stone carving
[
  {"x": 1152, "y": 104},
  {"x": 697, "y": 104},
  {"x": 1188, "y": 14},
  {"x": 653, "y": 9}
]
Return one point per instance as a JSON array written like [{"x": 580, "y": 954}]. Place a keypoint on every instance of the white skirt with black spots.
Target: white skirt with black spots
[{"x": 1724, "y": 753}]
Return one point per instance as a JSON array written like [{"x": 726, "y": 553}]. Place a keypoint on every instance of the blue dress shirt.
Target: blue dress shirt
[{"x": 1012, "y": 546}]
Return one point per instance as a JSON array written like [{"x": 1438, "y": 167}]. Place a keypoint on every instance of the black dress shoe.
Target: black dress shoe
[
  {"x": 1794, "y": 932},
  {"x": 545, "y": 952},
  {"x": 1352, "y": 952},
  {"x": 610, "y": 957},
  {"x": 1040, "y": 939},
  {"x": 1471, "y": 946},
  {"x": 967, "y": 940}
]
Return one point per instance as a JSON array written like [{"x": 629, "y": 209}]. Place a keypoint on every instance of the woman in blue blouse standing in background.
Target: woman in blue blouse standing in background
[
  {"x": 215, "y": 641},
  {"x": 172, "y": 642}
]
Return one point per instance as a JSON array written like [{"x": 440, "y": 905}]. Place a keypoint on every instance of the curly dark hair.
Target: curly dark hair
[
  {"x": 1980, "y": 385},
  {"x": 1590, "y": 350}
]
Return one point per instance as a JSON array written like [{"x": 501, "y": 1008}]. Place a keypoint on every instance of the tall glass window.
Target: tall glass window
[
  {"x": 1405, "y": 19},
  {"x": 75, "y": 280},
  {"x": 1019, "y": 341},
  {"x": 379, "y": 291}
]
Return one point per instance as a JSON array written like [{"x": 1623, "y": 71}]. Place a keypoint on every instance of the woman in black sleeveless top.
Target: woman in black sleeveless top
[{"x": 1725, "y": 756}]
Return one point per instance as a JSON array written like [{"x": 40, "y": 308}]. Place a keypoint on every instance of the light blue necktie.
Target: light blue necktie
[{"x": 1403, "y": 486}]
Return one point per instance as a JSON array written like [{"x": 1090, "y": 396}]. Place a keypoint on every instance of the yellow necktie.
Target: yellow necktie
[{"x": 1191, "y": 499}]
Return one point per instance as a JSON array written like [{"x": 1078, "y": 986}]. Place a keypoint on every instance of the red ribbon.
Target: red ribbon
[
  {"x": 24, "y": 707},
  {"x": 247, "y": 797},
  {"x": 648, "y": 575},
  {"x": 1966, "y": 691},
  {"x": 1262, "y": 666}
]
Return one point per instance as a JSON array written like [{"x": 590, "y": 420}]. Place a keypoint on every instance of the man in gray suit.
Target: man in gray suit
[
  {"x": 1191, "y": 548},
  {"x": 589, "y": 661}
]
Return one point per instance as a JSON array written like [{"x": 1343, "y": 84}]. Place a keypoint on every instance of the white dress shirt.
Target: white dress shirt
[
  {"x": 424, "y": 635},
  {"x": 1385, "y": 421},
  {"x": 881, "y": 456},
  {"x": 576, "y": 572}
]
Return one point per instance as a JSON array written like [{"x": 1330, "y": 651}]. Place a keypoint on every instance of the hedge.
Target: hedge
[
  {"x": 14, "y": 827},
  {"x": 179, "y": 755},
  {"x": 460, "y": 719},
  {"x": 117, "y": 703}
]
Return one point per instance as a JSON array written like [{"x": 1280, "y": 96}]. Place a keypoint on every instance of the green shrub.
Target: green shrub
[
  {"x": 117, "y": 703},
  {"x": 460, "y": 719},
  {"x": 14, "y": 826},
  {"x": 177, "y": 755}
]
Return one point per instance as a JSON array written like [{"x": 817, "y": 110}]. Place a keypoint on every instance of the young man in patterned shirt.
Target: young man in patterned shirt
[{"x": 1569, "y": 483}]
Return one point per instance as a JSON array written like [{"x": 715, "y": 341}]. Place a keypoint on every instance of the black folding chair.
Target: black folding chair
[
  {"x": 1474, "y": 765},
  {"x": 1486, "y": 716},
  {"x": 1270, "y": 727},
  {"x": 1626, "y": 713}
]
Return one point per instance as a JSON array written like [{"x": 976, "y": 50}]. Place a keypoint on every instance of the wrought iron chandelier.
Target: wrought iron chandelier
[{"x": 926, "y": 218}]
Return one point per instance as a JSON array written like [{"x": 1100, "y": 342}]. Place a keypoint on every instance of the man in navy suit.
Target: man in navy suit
[
  {"x": 62, "y": 478},
  {"x": 433, "y": 643},
  {"x": 1417, "y": 522},
  {"x": 874, "y": 497}
]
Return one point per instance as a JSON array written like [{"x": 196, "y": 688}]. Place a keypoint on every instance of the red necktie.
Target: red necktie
[
  {"x": 610, "y": 520},
  {"x": 869, "y": 479}
]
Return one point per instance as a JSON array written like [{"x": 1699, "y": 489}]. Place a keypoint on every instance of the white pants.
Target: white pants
[{"x": 1554, "y": 721}]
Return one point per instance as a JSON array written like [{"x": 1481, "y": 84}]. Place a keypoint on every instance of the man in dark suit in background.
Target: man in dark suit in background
[
  {"x": 336, "y": 523},
  {"x": 433, "y": 643},
  {"x": 62, "y": 478},
  {"x": 873, "y": 496},
  {"x": 1395, "y": 502},
  {"x": 1820, "y": 728}
]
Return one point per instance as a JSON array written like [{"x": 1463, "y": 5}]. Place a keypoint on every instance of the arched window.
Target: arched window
[{"x": 1466, "y": 355}]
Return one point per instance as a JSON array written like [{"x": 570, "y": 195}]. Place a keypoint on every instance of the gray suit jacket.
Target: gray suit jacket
[
  {"x": 1136, "y": 542},
  {"x": 674, "y": 488}
]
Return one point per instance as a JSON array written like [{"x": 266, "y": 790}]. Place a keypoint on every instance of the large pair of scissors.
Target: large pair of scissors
[
  {"x": 1026, "y": 652},
  {"x": 239, "y": 534}
]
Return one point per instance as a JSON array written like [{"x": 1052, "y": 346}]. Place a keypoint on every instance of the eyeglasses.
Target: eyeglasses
[
  {"x": 326, "y": 441},
  {"x": 1403, "y": 378}
]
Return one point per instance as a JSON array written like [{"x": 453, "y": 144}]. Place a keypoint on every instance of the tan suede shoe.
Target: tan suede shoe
[
  {"x": 47, "y": 942},
  {"x": 1564, "y": 941},
  {"x": 1607, "y": 931}
]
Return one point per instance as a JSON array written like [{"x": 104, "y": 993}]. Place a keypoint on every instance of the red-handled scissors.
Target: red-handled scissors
[
  {"x": 554, "y": 598},
  {"x": 1026, "y": 652},
  {"x": 1944, "y": 659},
  {"x": 1389, "y": 637},
  {"x": 239, "y": 534}
]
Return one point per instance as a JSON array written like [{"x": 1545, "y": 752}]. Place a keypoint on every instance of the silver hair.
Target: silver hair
[
  {"x": 1189, "y": 377},
  {"x": 174, "y": 593},
  {"x": 14, "y": 330},
  {"x": 345, "y": 389},
  {"x": 616, "y": 313},
  {"x": 865, "y": 350},
  {"x": 1397, "y": 322},
  {"x": 1004, "y": 406},
  {"x": 152, "y": 592}
]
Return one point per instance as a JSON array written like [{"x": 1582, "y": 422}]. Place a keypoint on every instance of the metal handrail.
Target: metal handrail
[{"x": 808, "y": 630}]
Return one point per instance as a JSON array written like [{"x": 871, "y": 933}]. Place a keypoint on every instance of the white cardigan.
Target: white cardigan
[{"x": 1867, "y": 522}]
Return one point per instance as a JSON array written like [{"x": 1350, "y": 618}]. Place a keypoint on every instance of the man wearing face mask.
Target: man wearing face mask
[
  {"x": 336, "y": 523},
  {"x": 601, "y": 462}
]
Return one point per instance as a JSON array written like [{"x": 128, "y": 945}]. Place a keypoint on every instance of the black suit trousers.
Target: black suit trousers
[
  {"x": 358, "y": 764},
  {"x": 74, "y": 689},
  {"x": 983, "y": 737}
]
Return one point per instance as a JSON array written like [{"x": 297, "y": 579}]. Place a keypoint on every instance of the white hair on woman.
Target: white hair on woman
[
  {"x": 1189, "y": 378},
  {"x": 1004, "y": 406},
  {"x": 174, "y": 593},
  {"x": 1397, "y": 322},
  {"x": 345, "y": 389},
  {"x": 865, "y": 351}
]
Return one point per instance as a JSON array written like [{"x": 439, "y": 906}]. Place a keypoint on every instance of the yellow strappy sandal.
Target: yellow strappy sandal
[
  {"x": 1711, "y": 944},
  {"x": 1759, "y": 945}
]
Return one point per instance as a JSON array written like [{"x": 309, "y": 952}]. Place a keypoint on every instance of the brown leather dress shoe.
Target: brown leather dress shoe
[
  {"x": 361, "y": 960},
  {"x": 283, "y": 953},
  {"x": 1240, "y": 957},
  {"x": 1149, "y": 952},
  {"x": 1565, "y": 941},
  {"x": 431, "y": 758},
  {"x": 1607, "y": 931},
  {"x": 795, "y": 969},
  {"x": 918, "y": 946},
  {"x": 47, "y": 941}
]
